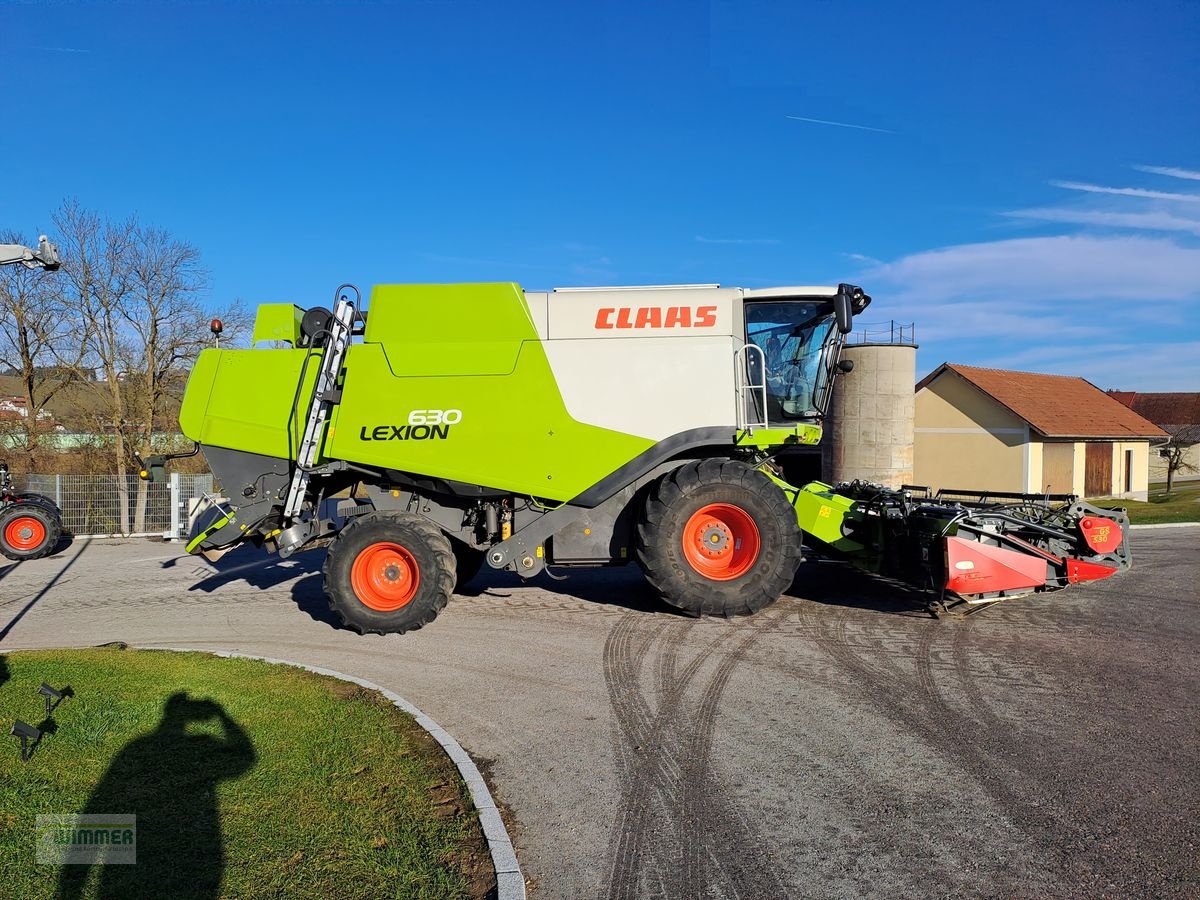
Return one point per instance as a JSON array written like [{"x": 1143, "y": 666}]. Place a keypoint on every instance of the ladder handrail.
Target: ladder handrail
[
  {"x": 745, "y": 390},
  {"x": 341, "y": 327}
]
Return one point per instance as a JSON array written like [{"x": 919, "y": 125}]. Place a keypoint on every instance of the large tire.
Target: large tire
[
  {"x": 389, "y": 573},
  {"x": 28, "y": 530},
  {"x": 467, "y": 563},
  {"x": 718, "y": 538},
  {"x": 28, "y": 497}
]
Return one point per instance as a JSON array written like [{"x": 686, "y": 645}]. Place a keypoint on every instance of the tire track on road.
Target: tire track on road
[
  {"x": 970, "y": 684},
  {"x": 724, "y": 828},
  {"x": 678, "y": 829},
  {"x": 649, "y": 776},
  {"x": 967, "y": 739}
]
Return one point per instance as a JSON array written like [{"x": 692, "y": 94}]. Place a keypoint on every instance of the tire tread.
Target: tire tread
[
  {"x": 443, "y": 576},
  {"x": 46, "y": 513},
  {"x": 661, "y": 521}
]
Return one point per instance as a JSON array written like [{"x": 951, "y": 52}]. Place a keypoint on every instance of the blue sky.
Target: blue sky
[{"x": 1024, "y": 182}]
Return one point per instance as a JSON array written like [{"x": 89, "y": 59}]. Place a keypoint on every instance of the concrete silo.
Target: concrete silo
[{"x": 869, "y": 429}]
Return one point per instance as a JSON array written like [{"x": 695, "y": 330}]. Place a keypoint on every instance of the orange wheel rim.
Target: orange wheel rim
[
  {"x": 24, "y": 533},
  {"x": 720, "y": 541},
  {"x": 385, "y": 576}
]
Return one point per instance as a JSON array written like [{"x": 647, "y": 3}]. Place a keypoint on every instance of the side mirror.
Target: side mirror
[
  {"x": 154, "y": 469},
  {"x": 845, "y": 366},
  {"x": 843, "y": 312}
]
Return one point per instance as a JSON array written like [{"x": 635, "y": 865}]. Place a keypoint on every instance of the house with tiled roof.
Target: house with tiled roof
[
  {"x": 1178, "y": 414},
  {"x": 997, "y": 430}
]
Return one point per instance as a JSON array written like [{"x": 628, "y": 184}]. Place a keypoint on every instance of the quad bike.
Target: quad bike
[{"x": 30, "y": 524}]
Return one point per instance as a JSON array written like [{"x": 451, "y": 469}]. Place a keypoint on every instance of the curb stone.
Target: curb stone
[
  {"x": 510, "y": 882},
  {"x": 1168, "y": 525}
]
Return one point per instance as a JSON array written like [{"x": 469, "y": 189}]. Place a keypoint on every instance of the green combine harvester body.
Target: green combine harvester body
[
  {"x": 467, "y": 352},
  {"x": 445, "y": 426}
]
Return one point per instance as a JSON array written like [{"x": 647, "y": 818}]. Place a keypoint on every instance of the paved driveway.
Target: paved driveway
[{"x": 839, "y": 744}]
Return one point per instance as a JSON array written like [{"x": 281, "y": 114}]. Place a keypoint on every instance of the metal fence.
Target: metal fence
[
  {"x": 891, "y": 332},
  {"x": 91, "y": 504}
]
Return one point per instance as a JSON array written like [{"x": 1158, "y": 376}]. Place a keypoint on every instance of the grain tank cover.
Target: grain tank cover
[{"x": 449, "y": 329}]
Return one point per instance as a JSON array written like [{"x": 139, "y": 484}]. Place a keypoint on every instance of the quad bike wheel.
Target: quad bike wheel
[
  {"x": 28, "y": 530},
  {"x": 718, "y": 538},
  {"x": 389, "y": 573}
]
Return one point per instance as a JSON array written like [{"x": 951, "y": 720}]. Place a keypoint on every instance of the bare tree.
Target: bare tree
[
  {"x": 37, "y": 343},
  {"x": 1175, "y": 451},
  {"x": 94, "y": 253},
  {"x": 168, "y": 327},
  {"x": 137, "y": 293}
]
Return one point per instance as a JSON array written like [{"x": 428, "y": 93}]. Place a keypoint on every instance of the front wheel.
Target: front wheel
[
  {"x": 389, "y": 573},
  {"x": 28, "y": 531},
  {"x": 718, "y": 538}
]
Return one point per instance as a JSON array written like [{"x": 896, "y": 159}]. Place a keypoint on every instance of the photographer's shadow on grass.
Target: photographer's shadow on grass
[{"x": 168, "y": 779}]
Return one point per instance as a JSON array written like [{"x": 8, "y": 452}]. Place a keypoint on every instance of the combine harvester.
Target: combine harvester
[{"x": 473, "y": 423}]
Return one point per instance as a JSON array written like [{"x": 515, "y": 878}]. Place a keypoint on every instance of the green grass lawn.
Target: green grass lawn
[
  {"x": 1182, "y": 506},
  {"x": 247, "y": 779}
]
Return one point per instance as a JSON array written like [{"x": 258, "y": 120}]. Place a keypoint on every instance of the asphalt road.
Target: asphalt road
[{"x": 839, "y": 744}]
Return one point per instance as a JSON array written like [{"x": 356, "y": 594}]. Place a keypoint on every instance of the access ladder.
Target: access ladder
[{"x": 325, "y": 396}]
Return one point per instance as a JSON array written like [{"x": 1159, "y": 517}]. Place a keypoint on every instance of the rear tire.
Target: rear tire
[
  {"x": 29, "y": 497},
  {"x": 28, "y": 530},
  {"x": 718, "y": 538},
  {"x": 389, "y": 573}
]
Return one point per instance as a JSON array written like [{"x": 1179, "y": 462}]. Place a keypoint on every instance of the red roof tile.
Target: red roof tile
[
  {"x": 1168, "y": 410},
  {"x": 1055, "y": 405}
]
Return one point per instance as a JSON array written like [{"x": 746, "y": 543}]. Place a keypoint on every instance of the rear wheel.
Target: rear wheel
[
  {"x": 718, "y": 538},
  {"x": 28, "y": 530},
  {"x": 389, "y": 573}
]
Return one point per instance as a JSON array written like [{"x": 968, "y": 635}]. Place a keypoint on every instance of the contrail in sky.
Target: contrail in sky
[
  {"x": 1126, "y": 192},
  {"x": 1172, "y": 171},
  {"x": 839, "y": 124}
]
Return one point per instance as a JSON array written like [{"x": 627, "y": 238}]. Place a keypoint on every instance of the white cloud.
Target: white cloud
[
  {"x": 1171, "y": 172},
  {"x": 1127, "y": 191},
  {"x": 1067, "y": 267},
  {"x": 1152, "y": 366},
  {"x": 1109, "y": 300},
  {"x": 1015, "y": 324},
  {"x": 1138, "y": 221},
  {"x": 859, "y": 257}
]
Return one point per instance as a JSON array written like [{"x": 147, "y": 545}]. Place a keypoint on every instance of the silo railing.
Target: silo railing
[{"x": 890, "y": 332}]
